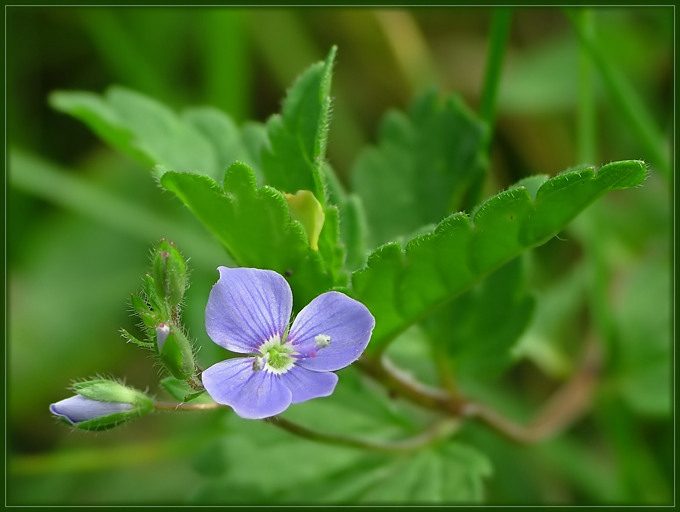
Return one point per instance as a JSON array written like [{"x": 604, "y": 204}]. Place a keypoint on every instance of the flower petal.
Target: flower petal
[
  {"x": 348, "y": 324},
  {"x": 246, "y": 307},
  {"x": 306, "y": 384},
  {"x": 252, "y": 395},
  {"x": 78, "y": 408}
]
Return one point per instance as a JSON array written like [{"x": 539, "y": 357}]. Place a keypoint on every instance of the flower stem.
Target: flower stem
[
  {"x": 500, "y": 31},
  {"x": 165, "y": 406},
  {"x": 587, "y": 116},
  {"x": 439, "y": 430},
  {"x": 398, "y": 381},
  {"x": 640, "y": 121},
  {"x": 569, "y": 402}
]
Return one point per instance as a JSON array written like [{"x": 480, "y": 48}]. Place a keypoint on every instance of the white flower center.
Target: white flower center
[{"x": 277, "y": 357}]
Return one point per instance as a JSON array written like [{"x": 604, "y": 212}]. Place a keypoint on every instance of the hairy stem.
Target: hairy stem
[{"x": 567, "y": 404}]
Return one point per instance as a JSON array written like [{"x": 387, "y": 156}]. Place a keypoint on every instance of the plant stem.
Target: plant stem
[
  {"x": 560, "y": 410},
  {"x": 498, "y": 42},
  {"x": 586, "y": 131},
  {"x": 439, "y": 430},
  {"x": 626, "y": 99},
  {"x": 165, "y": 406},
  {"x": 500, "y": 30},
  {"x": 403, "y": 384}
]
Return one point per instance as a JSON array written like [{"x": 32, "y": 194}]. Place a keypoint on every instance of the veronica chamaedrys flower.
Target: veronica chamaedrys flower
[{"x": 248, "y": 312}]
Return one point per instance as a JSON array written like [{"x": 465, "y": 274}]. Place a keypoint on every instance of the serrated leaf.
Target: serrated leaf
[
  {"x": 141, "y": 127},
  {"x": 255, "y": 226},
  {"x": 479, "y": 328},
  {"x": 400, "y": 287},
  {"x": 297, "y": 137},
  {"x": 422, "y": 167}
]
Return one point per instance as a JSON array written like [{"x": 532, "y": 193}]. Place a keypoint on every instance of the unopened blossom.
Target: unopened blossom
[
  {"x": 101, "y": 404},
  {"x": 77, "y": 409},
  {"x": 248, "y": 312}
]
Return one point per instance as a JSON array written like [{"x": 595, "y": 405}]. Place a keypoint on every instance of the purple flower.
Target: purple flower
[{"x": 248, "y": 312}]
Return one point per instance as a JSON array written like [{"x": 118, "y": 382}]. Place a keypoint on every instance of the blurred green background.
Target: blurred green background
[{"x": 81, "y": 220}]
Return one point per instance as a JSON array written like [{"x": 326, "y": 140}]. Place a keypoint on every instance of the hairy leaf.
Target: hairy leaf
[
  {"x": 400, "y": 287},
  {"x": 255, "y": 226},
  {"x": 297, "y": 137}
]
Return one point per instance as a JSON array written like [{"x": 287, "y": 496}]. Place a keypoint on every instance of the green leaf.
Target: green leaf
[
  {"x": 479, "y": 328},
  {"x": 352, "y": 229},
  {"x": 262, "y": 458},
  {"x": 255, "y": 226},
  {"x": 141, "y": 127},
  {"x": 230, "y": 142},
  {"x": 297, "y": 137},
  {"x": 448, "y": 474},
  {"x": 421, "y": 169},
  {"x": 401, "y": 287}
]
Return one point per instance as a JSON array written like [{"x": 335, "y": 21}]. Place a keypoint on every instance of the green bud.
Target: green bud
[
  {"x": 175, "y": 351},
  {"x": 306, "y": 209},
  {"x": 169, "y": 273},
  {"x": 101, "y": 404}
]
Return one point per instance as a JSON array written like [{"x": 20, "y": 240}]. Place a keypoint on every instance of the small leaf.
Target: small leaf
[
  {"x": 402, "y": 287},
  {"x": 131, "y": 339},
  {"x": 297, "y": 137}
]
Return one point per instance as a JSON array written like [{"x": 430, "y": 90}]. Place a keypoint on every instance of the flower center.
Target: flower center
[{"x": 277, "y": 357}]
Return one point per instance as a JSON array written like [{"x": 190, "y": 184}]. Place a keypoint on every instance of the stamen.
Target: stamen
[
  {"x": 258, "y": 364},
  {"x": 322, "y": 340}
]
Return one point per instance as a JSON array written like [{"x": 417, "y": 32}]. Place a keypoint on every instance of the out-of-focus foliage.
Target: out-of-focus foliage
[{"x": 81, "y": 219}]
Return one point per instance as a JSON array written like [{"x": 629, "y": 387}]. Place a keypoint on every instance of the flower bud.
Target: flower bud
[
  {"x": 162, "y": 332},
  {"x": 306, "y": 209},
  {"x": 101, "y": 404},
  {"x": 175, "y": 351},
  {"x": 169, "y": 273}
]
